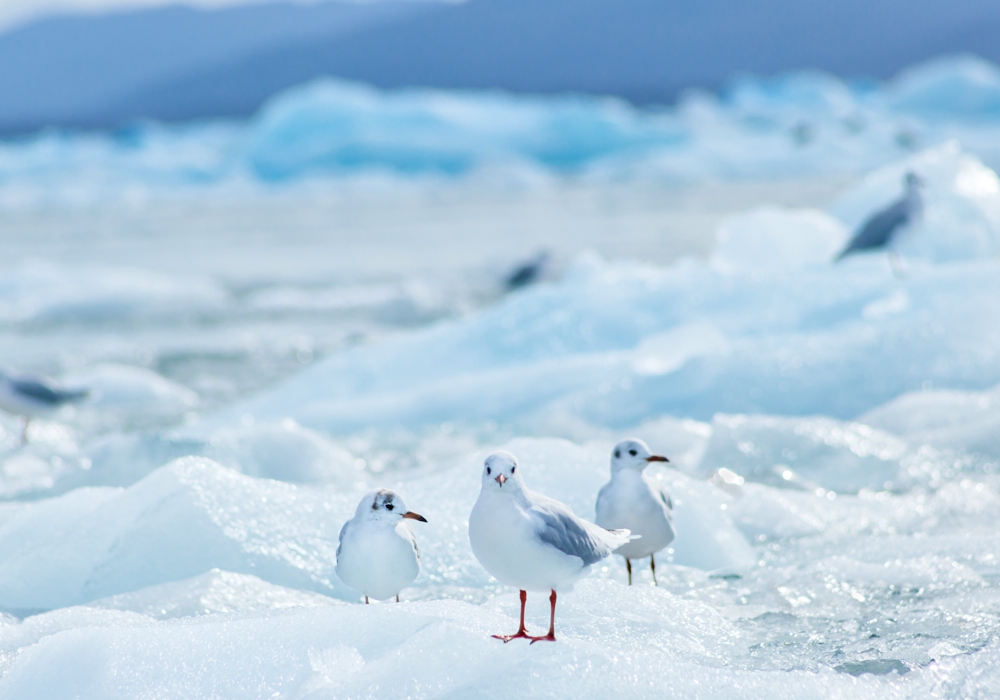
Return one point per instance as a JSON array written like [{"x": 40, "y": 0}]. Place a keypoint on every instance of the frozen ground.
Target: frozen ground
[{"x": 277, "y": 316}]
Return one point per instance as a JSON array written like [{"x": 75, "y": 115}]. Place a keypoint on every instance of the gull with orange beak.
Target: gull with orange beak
[
  {"x": 378, "y": 553},
  {"x": 631, "y": 500},
  {"x": 532, "y": 542}
]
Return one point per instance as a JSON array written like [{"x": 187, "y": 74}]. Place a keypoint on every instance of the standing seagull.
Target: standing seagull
[
  {"x": 31, "y": 396},
  {"x": 532, "y": 542},
  {"x": 378, "y": 553},
  {"x": 632, "y": 501},
  {"x": 883, "y": 226}
]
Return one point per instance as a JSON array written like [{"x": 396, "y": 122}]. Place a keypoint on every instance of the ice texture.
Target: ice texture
[
  {"x": 759, "y": 127},
  {"x": 832, "y": 428}
]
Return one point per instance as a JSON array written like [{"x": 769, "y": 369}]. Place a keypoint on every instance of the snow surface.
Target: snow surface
[{"x": 276, "y": 316}]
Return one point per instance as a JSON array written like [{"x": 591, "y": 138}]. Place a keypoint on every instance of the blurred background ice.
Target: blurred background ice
[{"x": 299, "y": 250}]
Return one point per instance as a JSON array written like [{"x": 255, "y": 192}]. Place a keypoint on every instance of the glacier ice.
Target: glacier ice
[{"x": 832, "y": 429}]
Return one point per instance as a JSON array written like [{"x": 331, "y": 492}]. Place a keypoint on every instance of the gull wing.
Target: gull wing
[
  {"x": 879, "y": 228},
  {"x": 559, "y": 527},
  {"x": 340, "y": 540},
  {"x": 44, "y": 391}
]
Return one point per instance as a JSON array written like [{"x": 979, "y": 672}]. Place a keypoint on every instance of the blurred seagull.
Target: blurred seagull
[
  {"x": 631, "y": 500},
  {"x": 378, "y": 553},
  {"x": 31, "y": 396},
  {"x": 883, "y": 227},
  {"x": 530, "y": 541},
  {"x": 528, "y": 272}
]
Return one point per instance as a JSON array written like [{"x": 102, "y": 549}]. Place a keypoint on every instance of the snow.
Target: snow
[{"x": 276, "y": 316}]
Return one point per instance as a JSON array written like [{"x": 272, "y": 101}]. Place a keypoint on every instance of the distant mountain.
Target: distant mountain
[
  {"x": 67, "y": 70},
  {"x": 643, "y": 50}
]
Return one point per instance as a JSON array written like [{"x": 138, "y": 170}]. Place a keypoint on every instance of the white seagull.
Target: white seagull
[
  {"x": 30, "y": 396},
  {"x": 631, "y": 500},
  {"x": 532, "y": 542},
  {"x": 378, "y": 553}
]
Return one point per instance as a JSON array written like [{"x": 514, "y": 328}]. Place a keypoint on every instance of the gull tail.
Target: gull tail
[{"x": 616, "y": 538}]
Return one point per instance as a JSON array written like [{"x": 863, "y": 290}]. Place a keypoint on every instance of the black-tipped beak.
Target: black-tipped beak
[
  {"x": 415, "y": 516},
  {"x": 501, "y": 479},
  {"x": 656, "y": 458}
]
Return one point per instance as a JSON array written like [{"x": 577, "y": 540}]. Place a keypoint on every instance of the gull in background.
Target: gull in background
[
  {"x": 32, "y": 396},
  {"x": 884, "y": 226},
  {"x": 631, "y": 500},
  {"x": 378, "y": 553},
  {"x": 532, "y": 542}
]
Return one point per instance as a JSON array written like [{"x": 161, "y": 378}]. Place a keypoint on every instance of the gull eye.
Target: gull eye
[
  {"x": 633, "y": 453},
  {"x": 513, "y": 469},
  {"x": 618, "y": 454},
  {"x": 388, "y": 506},
  {"x": 488, "y": 471}
]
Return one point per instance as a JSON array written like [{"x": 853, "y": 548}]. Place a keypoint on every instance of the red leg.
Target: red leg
[
  {"x": 522, "y": 633},
  {"x": 551, "y": 636}
]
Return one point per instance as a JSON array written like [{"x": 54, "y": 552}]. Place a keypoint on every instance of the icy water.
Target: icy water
[{"x": 275, "y": 316}]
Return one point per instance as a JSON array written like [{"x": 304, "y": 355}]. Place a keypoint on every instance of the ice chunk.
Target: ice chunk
[
  {"x": 44, "y": 292},
  {"x": 948, "y": 419},
  {"x": 953, "y": 87},
  {"x": 807, "y": 453},
  {"x": 212, "y": 592},
  {"x": 770, "y": 240},
  {"x": 334, "y": 126}
]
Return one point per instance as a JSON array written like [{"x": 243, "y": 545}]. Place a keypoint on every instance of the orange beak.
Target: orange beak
[
  {"x": 501, "y": 479},
  {"x": 657, "y": 458},
  {"x": 414, "y": 516}
]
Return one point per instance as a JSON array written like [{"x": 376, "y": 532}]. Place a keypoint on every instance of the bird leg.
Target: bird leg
[
  {"x": 397, "y": 597},
  {"x": 366, "y": 600},
  {"x": 25, "y": 421},
  {"x": 628, "y": 565},
  {"x": 897, "y": 265},
  {"x": 652, "y": 565},
  {"x": 551, "y": 636},
  {"x": 522, "y": 633}
]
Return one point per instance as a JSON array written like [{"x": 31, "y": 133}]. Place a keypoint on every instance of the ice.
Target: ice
[
  {"x": 41, "y": 292},
  {"x": 759, "y": 127},
  {"x": 277, "y": 315},
  {"x": 807, "y": 453},
  {"x": 770, "y": 240},
  {"x": 960, "y": 87},
  {"x": 618, "y": 341},
  {"x": 947, "y": 419}
]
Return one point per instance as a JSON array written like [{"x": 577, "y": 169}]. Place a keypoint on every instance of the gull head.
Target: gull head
[
  {"x": 501, "y": 473},
  {"x": 913, "y": 181},
  {"x": 633, "y": 454},
  {"x": 386, "y": 505}
]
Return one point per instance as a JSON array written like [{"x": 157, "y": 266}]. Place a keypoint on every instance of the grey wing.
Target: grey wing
[
  {"x": 665, "y": 499},
  {"x": 43, "y": 391},
  {"x": 340, "y": 540},
  {"x": 879, "y": 229},
  {"x": 561, "y": 529}
]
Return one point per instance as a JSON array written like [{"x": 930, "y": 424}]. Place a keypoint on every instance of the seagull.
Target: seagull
[
  {"x": 31, "y": 396},
  {"x": 528, "y": 272},
  {"x": 378, "y": 553},
  {"x": 883, "y": 226},
  {"x": 532, "y": 542},
  {"x": 630, "y": 500}
]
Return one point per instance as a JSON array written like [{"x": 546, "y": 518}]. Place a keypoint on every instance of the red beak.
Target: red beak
[
  {"x": 657, "y": 458},
  {"x": 501, "y": 479},
  {"x": 414, "y": 516}
]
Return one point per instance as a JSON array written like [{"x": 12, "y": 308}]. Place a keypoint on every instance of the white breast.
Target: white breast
[
  {"x": 630, "y": 501},
  {"x": 378, "y": 558},
  {"x": 504, "y": 538}
]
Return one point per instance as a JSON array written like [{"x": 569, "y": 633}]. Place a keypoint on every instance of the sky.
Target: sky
[{"x": 14, "y": 12}]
